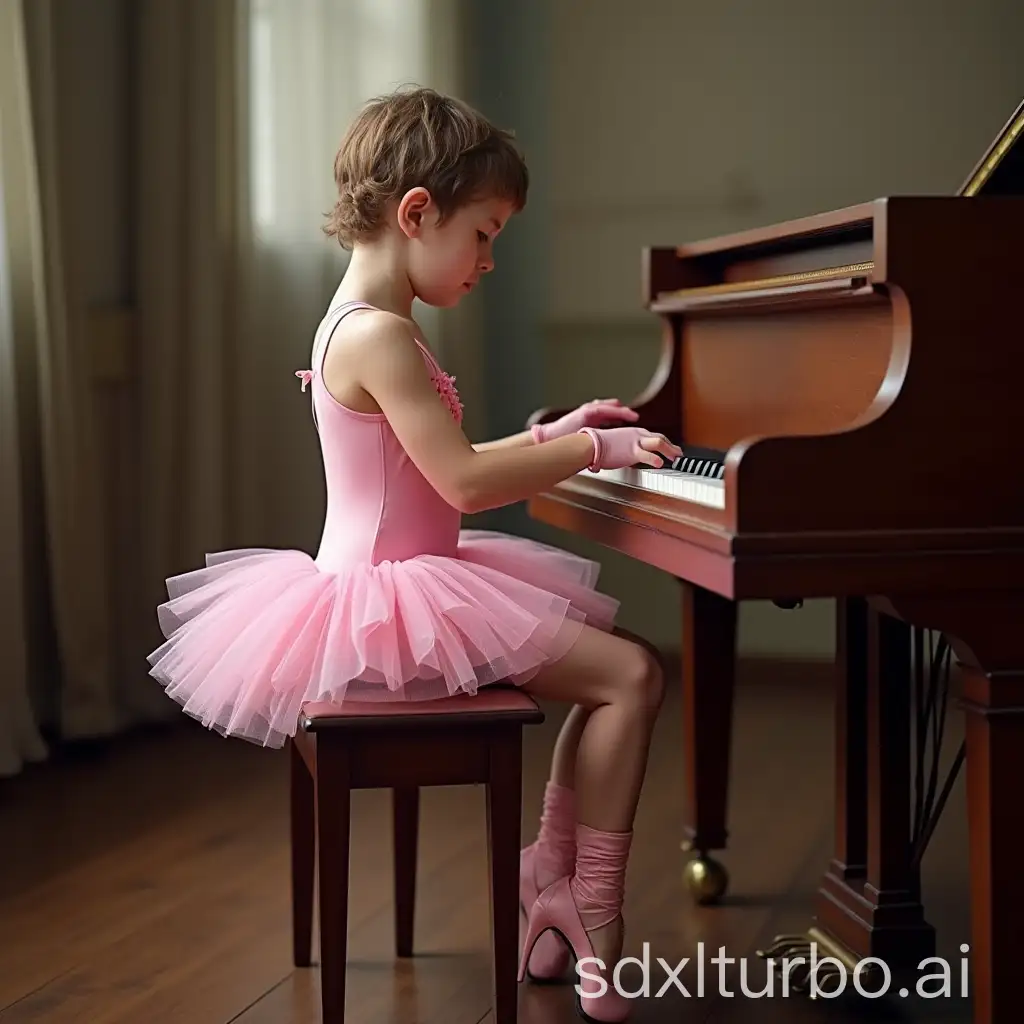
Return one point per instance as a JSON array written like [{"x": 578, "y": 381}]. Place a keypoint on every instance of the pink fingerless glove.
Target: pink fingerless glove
[
  {"x": 590, "y": 414},
  {"x": 619, "y": 447}
]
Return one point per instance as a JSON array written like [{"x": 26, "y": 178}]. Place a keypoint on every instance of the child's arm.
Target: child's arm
[
  {"x": 521, "y": 440},
  {"x": 597, "y": 413},
  {"x": 392, "y": 370}
]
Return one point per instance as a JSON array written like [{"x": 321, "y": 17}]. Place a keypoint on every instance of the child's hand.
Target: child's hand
[
  {"x": 620, "y": 447},
  {"x": 591, "y": 414}
]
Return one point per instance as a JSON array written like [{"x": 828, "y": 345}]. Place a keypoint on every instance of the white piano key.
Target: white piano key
[{"x": 702, "y": 490}]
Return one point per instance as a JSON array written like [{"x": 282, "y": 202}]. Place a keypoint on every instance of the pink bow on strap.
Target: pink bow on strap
[{"x": 305, "y": 376}]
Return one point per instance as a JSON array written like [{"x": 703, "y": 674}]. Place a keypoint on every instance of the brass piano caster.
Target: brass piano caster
[{"x": 705, "y": 877}]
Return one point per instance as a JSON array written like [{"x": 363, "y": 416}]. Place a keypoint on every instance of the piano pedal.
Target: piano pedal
[{"x": 793, "y": 957}]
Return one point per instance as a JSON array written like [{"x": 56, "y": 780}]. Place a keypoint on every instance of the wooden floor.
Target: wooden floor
[{"x": 149, "y": 885}]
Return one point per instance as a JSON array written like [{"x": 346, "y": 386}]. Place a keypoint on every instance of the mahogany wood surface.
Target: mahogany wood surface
[
  {"x": 404, "y": 749},
  {"x": 834, "y": 456},
  {"x": 870, "y": 897},
  {"x": 801, "y": 233},
  {"x": 840, "y": 895},
  {"x": 708, "y": 680},
  {"x": 770, "y": 374}
]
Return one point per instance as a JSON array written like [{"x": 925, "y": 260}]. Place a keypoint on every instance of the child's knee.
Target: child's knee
[{"x": 643, "y": 681}]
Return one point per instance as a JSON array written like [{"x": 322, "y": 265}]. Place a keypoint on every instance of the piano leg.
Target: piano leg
[
  {"x": 844, "y": 881},
  {"x": 869, "y": 902},
  {"x": 708, "y": 676},
  {"x": 894, "y": 925}
]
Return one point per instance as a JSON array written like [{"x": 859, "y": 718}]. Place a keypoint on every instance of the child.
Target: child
[{"x": 400, "y": 603}]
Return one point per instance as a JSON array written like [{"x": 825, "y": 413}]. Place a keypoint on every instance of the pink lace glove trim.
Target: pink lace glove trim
[{"x": 591, "y": 414}]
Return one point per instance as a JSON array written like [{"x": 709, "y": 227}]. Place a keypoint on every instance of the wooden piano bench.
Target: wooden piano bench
[{"x": 402, "y": 746}]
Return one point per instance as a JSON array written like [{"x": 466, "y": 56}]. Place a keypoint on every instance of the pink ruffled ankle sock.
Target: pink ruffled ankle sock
[
  {"x": 599, "y": 882},
  {"x": 556, "y": 841}
]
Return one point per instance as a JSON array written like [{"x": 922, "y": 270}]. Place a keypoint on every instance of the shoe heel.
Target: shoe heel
[
  {"x": 549, "y": 957},
  {"x": 556, "y": 909},
  {"x": 537, "y": 922}
]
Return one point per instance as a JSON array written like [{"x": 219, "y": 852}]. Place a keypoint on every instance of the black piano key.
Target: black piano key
[{"x": 697, "y": 461}]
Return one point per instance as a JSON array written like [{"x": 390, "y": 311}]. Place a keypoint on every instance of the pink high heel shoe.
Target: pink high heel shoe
[
  {"x": 549, "y": 958},
  {"x": 594, "y": 894},
  {"x": 553, "y": 854}
]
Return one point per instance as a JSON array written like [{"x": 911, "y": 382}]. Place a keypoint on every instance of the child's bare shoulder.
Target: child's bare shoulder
[
  {"x": 369, "y": 335},
  {"x": 367, "y": 345}
]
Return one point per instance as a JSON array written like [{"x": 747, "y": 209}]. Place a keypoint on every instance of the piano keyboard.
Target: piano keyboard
[{"x": 696, "y": 477}]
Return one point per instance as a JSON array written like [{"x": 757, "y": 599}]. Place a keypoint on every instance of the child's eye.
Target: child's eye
[{"x": 481, "y": 237}]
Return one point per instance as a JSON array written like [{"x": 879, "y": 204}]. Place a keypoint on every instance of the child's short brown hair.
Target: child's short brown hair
[{"x": 420, "y": 138}]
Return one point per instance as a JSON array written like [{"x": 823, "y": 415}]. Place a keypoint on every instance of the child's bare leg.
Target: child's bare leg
[
  {"x": 553, "y": 854},
  {"x": 563, "y": 761},
  {"x": 617, "y": 683}
]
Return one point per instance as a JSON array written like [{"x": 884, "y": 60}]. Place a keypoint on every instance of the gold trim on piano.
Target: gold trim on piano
[
  {"x": 783, "y": 281},
  {"x": 985, "y": 171}
]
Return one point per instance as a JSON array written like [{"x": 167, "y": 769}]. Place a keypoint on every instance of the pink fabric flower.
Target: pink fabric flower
[{"x": 446, "y": 388}]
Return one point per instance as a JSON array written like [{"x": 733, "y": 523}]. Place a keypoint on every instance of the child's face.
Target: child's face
[{"x": 446, "y": 260}]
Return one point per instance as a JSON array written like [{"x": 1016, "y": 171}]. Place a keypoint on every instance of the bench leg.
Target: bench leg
[
  {"x": 303, "y": 849},
  {"x": 405, "y": 808},
  {"x": 504, "y": 813},
  {"x": 333, "y": 802}
]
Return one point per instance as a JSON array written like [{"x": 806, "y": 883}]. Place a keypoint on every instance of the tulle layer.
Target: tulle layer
[{"x": 257, "y": 633}]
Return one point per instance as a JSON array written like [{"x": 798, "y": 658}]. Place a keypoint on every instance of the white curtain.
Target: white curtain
[
  {"x": 19, "y": 737},
  {"x": 54, "y": 565}
]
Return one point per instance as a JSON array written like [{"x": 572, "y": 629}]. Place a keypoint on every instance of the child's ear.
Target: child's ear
[{"x": 412, "y": 211}]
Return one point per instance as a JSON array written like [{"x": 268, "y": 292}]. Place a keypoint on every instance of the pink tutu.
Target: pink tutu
[
  {"x": 257, "y": 633},
  {"x": 399, "y": 604}
]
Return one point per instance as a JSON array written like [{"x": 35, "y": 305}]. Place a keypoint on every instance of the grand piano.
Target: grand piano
[{"x": 844, "y": 388}]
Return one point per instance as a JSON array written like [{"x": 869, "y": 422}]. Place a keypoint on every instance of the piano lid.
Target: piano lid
[{"x": 1000, "y": 172}]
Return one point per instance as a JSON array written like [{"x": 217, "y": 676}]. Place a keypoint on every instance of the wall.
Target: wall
[{"x": 508, "y": 78}]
